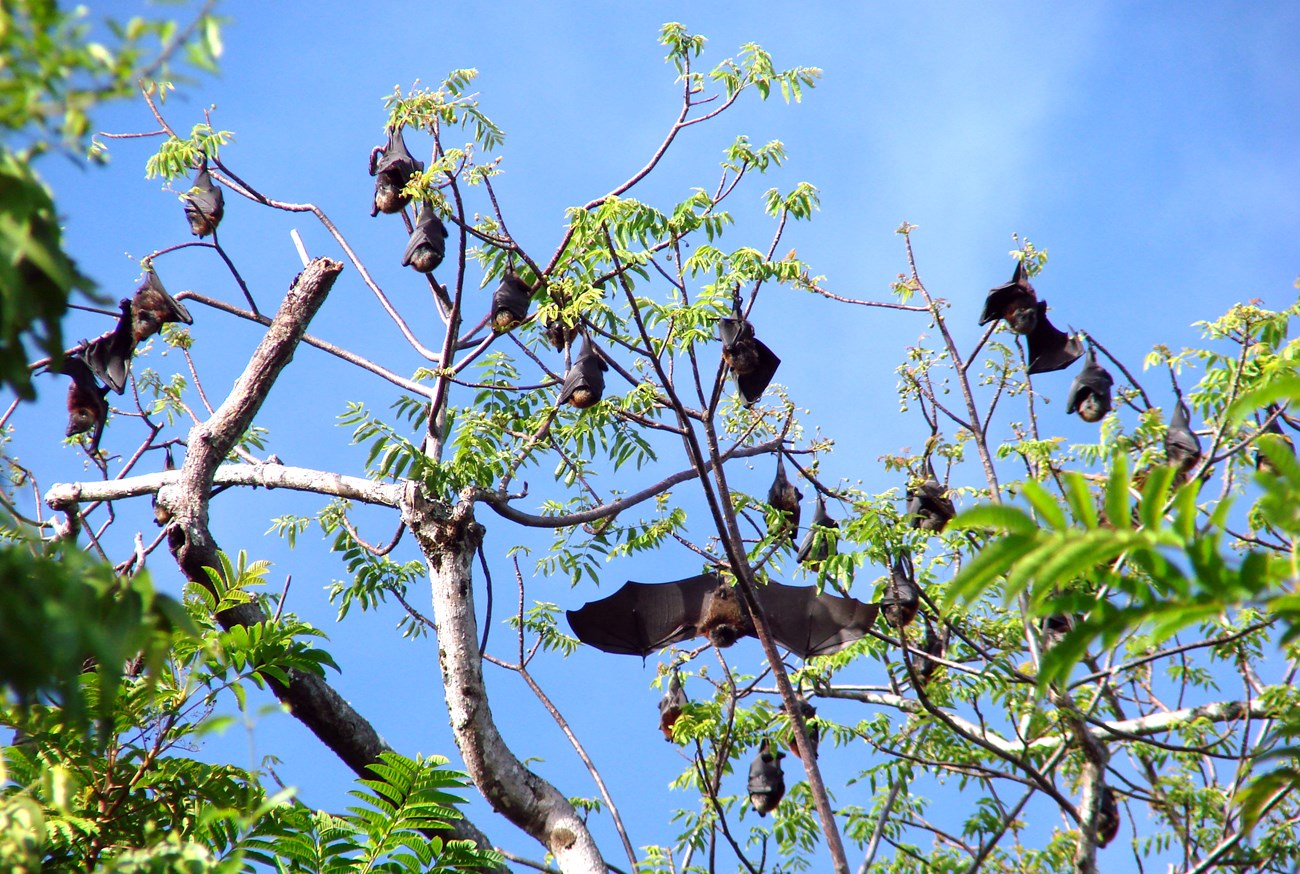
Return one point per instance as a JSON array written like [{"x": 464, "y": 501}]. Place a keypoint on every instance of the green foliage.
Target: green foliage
[
  {"x": 36, "y": 276},
  {"x": 64, "y": 613}
]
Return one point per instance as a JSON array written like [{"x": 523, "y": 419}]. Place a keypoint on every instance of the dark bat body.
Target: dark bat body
[
  {"x": 109, "y": 356},
  {"x": 1182, "y": 448},
  {"x": 1055, "y": 627},
  {"x": 934, "y": 645},
  {"x": 1090, "y": 391},
  {"x": 1107, "y": 817},
  {"x": 510, "y": 302},
  {"x": 392, "y": 166},
  {"x": 928, "y": 504},
  {"x": 641, "y": 618},
  {"x": 1274, "y": 431},
  {"x": 1016, "y": 302},
  {"x": 782, "y": 495},
  {"x": 1049, "y": 347},
  {"x": 152, "y": 306},
  {"x": 766, "y": 784},
  {"x": 87, "y": 409},
  {"x": 902, "y": 596},
  {"x": 808, "y": 712},
  {"x": 670, "y": 706},
  {"x": 819, "y": 543},
  {"x": 584, "y": 384},
  {"x": 204, "y": 204},
  {"x": 753, "y": 363},
  {"x": 558, "y": 335},
  {"x": 428, "y": 243}
]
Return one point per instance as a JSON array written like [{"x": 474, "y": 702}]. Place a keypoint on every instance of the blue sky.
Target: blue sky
[{"x": 1151, "y": 150}]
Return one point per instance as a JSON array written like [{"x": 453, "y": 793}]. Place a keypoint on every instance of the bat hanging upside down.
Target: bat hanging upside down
[{"x": 641, "y": 618}]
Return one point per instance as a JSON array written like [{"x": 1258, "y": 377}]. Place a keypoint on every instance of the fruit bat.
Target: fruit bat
[
  {"x": 753, "y": 363},
  {"x": 1090, "y": 391},
  {"x": 782, "y": 495},
  {"x": 641, "y": 618},
  {"x": 87, "y": 408},
  {"x": 928, "y": 504},
  {"x": 428, "y": 244},
  {"x": 819, "y": 543},
  {"x": 152, "y": 306},
  {"x": 1055, "y": 627},
  {"x": 766, "y": 779},
  {"x": 558, "y": 335},
  {"x": 204, "y": 204},
  {"x": 934, "y": 645},
  {"x": 670, "y": 706},
  {"x": 1050, "y": 348},
  {"x": 808, "y": 712},
  {"x": 1274, "y": 429},
  {"x": 510, "y": 302},
  {"x": 160, "y": 514},
  {"x": 902, "y": 596},
  {"x": 392, "y": 166},
  {"x": 585, "y": 382},
  {"x": 1016, "y": 302},
  {"x": 1107, "y": 817},
  {"x": 1182, "y": 448},
  {"x": 109, "y": 356}
]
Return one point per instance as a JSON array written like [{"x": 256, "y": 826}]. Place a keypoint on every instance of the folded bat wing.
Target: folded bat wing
[
  {"x": 642, "y": 618},
  {"x": 809, "y": 624},
  {"x": 752, "y": 385}
]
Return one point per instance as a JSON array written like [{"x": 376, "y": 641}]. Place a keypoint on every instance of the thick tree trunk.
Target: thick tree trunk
[{"x": 449, "y": 536}]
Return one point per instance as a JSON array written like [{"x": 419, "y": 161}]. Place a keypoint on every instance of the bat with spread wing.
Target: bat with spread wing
[
  {"x": 749, "y": 358},
  {"x": 641, "y": 618},
  {"x": 1050, "y": 348},
  {"x": 1016, "y": 302},
  {"x": 109, "y": 356}
]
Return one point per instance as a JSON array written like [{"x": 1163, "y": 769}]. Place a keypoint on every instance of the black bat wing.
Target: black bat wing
[
  {"x": 109, "y": 356},
  {"x": 587, "y": 372},
  {"x": 753, "y": 384},
  {"x": 1049, "y": 347},
  {"x": 1180, "y": 437},
  {"x": 641, "y": 618},
  {"x": 809, "y": 624},
  {"x": 419, "y": 237},
  {"x": 396, "y": 158},
  {"x": 1000, "y": 298},
  {"x": 733, "y": 329},
  {"x": 513, "y": 295}
]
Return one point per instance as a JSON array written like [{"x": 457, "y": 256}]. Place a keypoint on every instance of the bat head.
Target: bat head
[{"x": 558, "y": 335}]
